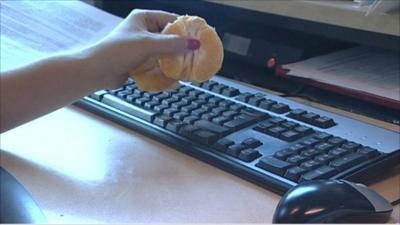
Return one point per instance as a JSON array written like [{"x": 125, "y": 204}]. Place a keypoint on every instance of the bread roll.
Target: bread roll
[{"x": 197, "y": 66}]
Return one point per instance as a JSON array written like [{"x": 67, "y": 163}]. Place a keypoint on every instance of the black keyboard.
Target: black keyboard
[{"x": 271, "y": 141}]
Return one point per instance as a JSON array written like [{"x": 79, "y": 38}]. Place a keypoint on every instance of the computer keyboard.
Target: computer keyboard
[{"x": 269, "y": 140}]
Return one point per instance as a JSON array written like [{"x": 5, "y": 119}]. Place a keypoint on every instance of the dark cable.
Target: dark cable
[{"x": 395, "y": 202}]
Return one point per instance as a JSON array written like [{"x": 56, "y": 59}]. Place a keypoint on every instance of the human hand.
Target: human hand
[{"x": 132, "y": 42}]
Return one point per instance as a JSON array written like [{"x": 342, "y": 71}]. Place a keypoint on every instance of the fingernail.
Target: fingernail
[{"x": 193, "y": 44}]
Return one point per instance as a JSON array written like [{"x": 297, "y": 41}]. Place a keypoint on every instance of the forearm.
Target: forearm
[{"x": 42, "y": 87}]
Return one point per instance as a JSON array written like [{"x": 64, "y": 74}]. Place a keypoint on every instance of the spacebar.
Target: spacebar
[{"x": 128, "y": 107}]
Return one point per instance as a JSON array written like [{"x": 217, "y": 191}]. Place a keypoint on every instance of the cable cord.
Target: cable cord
[{"x": 395, "y": 202}]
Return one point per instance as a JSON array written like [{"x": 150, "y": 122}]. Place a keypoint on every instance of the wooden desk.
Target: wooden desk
[{"x": 81, "y": 168}]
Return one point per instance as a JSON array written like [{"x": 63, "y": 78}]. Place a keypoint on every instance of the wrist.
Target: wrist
[{"x": 98, "y": 67}]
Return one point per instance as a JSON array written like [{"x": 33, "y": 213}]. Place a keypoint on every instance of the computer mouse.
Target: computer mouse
[
  {"x": 16, "y": 204},
  {"x": 332, "y": 201}
]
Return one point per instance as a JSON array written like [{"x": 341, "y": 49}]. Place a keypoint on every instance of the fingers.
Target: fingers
[
  {"x": 153, "y": 20},
  {"x": 173, "y": 44}
]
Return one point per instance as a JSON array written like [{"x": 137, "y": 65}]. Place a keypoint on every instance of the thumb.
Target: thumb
[{"x": 173, "y": 44}]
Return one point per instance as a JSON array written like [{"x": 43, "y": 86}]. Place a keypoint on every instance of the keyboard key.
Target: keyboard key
[
  {"x": 308, "y": 117},
  {"x": 290, "y": 136},
  {"x": 195, "y": 93},
  {"x": 273, "y": 165},
  {"x": 215, "y": 100},
  {"x": 324, "y": 158},
  {"x": 244, "y": 97},
  {"x": 187, "y": 130},
  {"x": 296, "y": 159},
  {"x": 170, "y": 112},
  {"x": 350, "y": 145},
  {"x": 239, "y": 122},
  {"x": 209, "y": 116},
  {"x": 162, "y": 120},
  {"x": 310, "y": 164},
  {"x": 322, "y": 136},
  {"x": 303, "y": 130},
  {"x": 237, "y": 107},
  {"x": 324, "y": 122},
  {"x": 98, "y": 95},
  {"x": 169, "y": 101},
  {"x": 161, "y": 97},
  {"x": 204, "y": 136},
  {"x": 263, "y": 126},
  {"x": 230, "y": 92},
  {"x": 255, "y": 113},
  {"x": 368, "y": 152},
  {"x": 336, "y": 141},
  {"x": 234, "y": 150},
  {"x": 188, "y": 108},
  {"x": 178, "y": 105},
  {"x": 297, "y": 147},
  {"x": 218, "y": 88},
  {"x": 151, "y": 104},
  {"x": 310, "y": 153},
  {"x": 338, "y": 152},
  {"x": 142, "y": 100},
  {"x": 322, "y": 172},
  {"x": 189, "y": 119},
  {"x": 208, "y": 84},
  {"x": 249, "y": 154},
  {"x": 198, "y": 112},
  {"x": 254, "y": 100},
  {"x": 348, "y": 161},
  {"x": 279, "y": 108},
  {"x": 289, "y": 124},
  {"x": 129, "y": 108},
  {"x": 252, "y": 143},
  {"x": 115, "y": 91},
  {"x": 174, "y": 125},
  {"x": 132, "y": 97},
  {"x": 296, "y": 113},
  {"x": 276, "y": 120},
  {"x": 230, "y": 113},
  {"x": 225, "y": 103},
  {"x": 323, "y": 147},
  {"x": 188, "y": 99},
  {"x": 294, "y": 173},
  {"x": 207, "y": 125},
  {"x": 180, "y": 115},
  {"x": 285, "y": 153},
  {"x": 160, "y": 108},
  {"x": 266, "y": 104},
  {"x": 275, "y": 131},
  {"x": 205, "y": 96},
  {"x": 310, "y": 142},
  {"x": 218, "y": 110},
  {"x": 223, "y": 144},
  {"x": 220, "y": 120},
  {"x": 185, "y": 89}
]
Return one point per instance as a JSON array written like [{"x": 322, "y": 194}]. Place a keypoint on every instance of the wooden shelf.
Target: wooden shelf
[{"x": 340, "y": 12}]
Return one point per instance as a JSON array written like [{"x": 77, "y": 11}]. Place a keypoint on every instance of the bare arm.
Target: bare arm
[{"x": 44, "y": 86}]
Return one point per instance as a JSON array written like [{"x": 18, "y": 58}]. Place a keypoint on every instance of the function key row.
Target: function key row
[
  {"x": 216, "y": 87},
  {"x": 262, "y": 102},
  {"x": 311, "y": 118}
]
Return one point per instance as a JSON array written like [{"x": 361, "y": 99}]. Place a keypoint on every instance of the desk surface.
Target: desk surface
[{"x": 82, "y": 168}]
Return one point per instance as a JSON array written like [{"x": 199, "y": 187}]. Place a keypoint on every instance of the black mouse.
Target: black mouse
[
  {"x": 332, "y": 201},
  {"x": 16, "y": 204}
]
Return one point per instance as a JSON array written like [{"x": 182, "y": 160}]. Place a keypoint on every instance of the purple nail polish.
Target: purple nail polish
[{"x": 193, "y": 44}]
